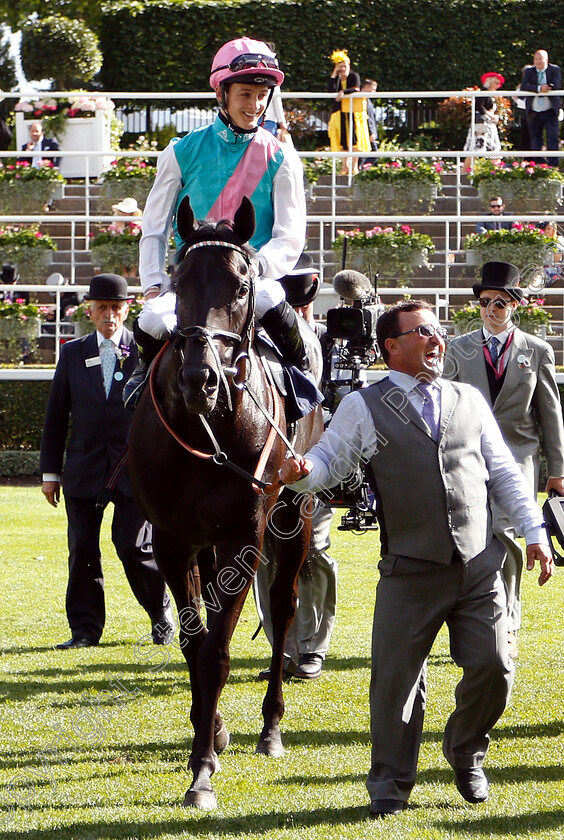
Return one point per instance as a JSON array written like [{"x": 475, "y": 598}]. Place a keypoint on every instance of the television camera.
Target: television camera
[{"x": 352, "y": 329}]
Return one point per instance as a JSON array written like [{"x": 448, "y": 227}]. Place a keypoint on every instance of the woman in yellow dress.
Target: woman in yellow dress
[{"x": 344, "y": 83}]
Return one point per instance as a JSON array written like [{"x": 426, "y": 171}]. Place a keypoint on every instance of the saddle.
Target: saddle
[{"x": 299, "y": 390}]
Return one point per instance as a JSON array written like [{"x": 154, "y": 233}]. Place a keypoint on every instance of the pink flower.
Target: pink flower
[
  {"x": 369, "y": 234},
  {"x": 20, "y": 301},
  {"x": 388, "y": 230},
  {"x": 405, "y": 229},
  {"x": 517, "y": 226},
  {"x": 340, "y": 232},
  {"x": 396, "y": 164}
]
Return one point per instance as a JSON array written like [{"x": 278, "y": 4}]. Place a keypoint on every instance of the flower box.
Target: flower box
[
  {"x": 522, "y": 197},
  {"x": 526, "y": 186},
  {"x": 399, "y": 186},
  {"x": 19, "y": 330},
  {"x": 524, "y": 246},
  {"x": 82, "y": 134},
  {"x": 116, "y": 258},
  {"x": 401, "y": 198},
  {"x": 26, "y": 197},
  {"x": 29, "y": 249},
  {"x": 394, "y": 253}
]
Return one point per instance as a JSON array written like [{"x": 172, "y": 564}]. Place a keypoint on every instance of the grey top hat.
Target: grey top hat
[
  {"x": 302, "y": 283},
  {"x": 108, "y": 287},
  {"x": 500, "y": 277}
]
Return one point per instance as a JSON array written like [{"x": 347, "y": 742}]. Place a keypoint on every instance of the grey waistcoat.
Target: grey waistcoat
[{"x": 432, "y": 495}]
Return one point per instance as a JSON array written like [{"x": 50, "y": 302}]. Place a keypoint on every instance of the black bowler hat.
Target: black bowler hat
[
  {"x": 302, "y": 283},
  {"x": 500, "y": 277},
  {"x": 108, "y": 287}
]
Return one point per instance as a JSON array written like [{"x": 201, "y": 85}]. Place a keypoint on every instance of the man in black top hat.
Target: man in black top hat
[
  {"x": 515, "y": 372},
  {"x": 87, "y": 391},
  {"x": 309, "y": 636}
]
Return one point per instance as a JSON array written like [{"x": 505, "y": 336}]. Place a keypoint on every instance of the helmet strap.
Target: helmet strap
[{"x": 226, "y": 115}]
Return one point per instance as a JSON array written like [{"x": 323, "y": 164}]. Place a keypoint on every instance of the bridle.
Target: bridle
[{"x": 244, "y": 342}]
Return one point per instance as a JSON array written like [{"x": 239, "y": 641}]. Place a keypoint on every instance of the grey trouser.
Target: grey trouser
[{"x": 414, "y": 599}]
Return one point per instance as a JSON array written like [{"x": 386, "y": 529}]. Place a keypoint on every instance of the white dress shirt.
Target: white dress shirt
[{"x": 352, "y": 437}]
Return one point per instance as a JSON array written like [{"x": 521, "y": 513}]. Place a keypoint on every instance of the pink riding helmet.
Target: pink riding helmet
[{"x": 245, "y": 57}]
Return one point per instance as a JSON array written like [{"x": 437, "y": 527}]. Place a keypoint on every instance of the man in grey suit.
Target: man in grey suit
[
  {"x": 515, "y": 372},
  {"x": 87, "y": 393},
  {"x": 436, "y": 452}
]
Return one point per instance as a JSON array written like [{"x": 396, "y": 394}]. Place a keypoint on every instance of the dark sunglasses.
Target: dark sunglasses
[
  {"x": 493, "y": 206},
  {"x": 426, "y": 331},
  {"x": 249, "y": 61},
  {"x": 498, "y": 303}
]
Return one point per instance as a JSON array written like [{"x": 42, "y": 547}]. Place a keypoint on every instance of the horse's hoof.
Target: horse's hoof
[
  {"x": 204, "y": 800},
  {"x": 221, "y": 740},
  {"x": 271, "y": 747}
]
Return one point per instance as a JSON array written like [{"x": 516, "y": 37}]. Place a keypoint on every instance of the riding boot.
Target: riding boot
[
  {"x": 148, "y": 348},
  {"x": 281, "y": 323}
]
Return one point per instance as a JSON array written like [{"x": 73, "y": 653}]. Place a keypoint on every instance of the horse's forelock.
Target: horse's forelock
[{"x": 221, "y": 232}]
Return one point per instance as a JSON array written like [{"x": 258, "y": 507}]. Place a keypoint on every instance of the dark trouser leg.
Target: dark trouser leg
[
  {"x": 552, "y": 135},
  {"x": 85, "y": 589},
  {"x": 148, "y": 348},
  {"x": 535, "y": 133},
  {"x": 131, "y": 536},
  {"x": 281, "y": 323}
]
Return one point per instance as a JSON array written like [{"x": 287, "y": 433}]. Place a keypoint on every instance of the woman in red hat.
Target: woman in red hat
[{"x": 483, "y": 136}]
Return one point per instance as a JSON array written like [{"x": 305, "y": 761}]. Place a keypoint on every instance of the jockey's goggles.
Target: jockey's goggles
[{"x": 249, "y": 61}]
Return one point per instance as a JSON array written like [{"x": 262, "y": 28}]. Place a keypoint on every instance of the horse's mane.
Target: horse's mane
[{"x": 222, "y": 231}]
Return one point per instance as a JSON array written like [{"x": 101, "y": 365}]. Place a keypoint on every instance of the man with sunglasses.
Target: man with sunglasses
[
  {"x": 437, "y": 455},
  {"x": 515, "y": 372},
  {"x": 217, "y": 165},
  {"x": 497, "y": 208}
]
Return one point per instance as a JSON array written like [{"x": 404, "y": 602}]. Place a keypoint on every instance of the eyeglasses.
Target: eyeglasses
[
  {"x": 426, "y": 331},
  {"x": 248, "y": 61},
  {"x": 497, "y": 303},
  {"x": 496, "y": 206}
]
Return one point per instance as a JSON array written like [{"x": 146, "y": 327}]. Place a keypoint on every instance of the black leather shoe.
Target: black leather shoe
[
  {"x": 288, "y": 670},
  {"x": 380, "y": 808},
  {"x": 76, "y": 642},
  {"x": 309, "y": 666},
  {"x": 472, "y": 784}
]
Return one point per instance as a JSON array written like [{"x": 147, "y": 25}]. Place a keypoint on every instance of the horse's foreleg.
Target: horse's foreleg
[
  {"x": 224, "y": 597},
  {"x": 182, "y": 575},
  {"x": 291, "y": 530}
]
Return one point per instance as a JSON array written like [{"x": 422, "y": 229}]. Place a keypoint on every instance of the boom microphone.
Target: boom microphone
[{"x": 352, "y": 285}]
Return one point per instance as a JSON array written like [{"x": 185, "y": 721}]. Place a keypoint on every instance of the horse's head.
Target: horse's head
[{"x": 214, "y": 285}]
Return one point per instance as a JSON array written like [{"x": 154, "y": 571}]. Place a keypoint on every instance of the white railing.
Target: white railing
[{"x": 324, "y": 224}]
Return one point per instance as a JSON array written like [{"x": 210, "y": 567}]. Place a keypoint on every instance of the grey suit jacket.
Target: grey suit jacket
[{"x": 528, "y": 404}]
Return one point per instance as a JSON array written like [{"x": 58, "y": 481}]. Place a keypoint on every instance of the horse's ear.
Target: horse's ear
[
  {"x": 185, "y": 221},
  {"x": 244, "y": 221}
]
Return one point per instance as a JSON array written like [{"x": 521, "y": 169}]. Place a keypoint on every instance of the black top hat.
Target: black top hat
[
  {"x": 500, "y": 276},
  {"x": 302, "y": 283},
  {"x": 9, "y": 274},
  {"x": 108, "y": 287}
]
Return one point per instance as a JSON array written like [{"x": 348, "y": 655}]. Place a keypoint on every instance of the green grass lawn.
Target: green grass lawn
[{"x": 94, "y": 742}]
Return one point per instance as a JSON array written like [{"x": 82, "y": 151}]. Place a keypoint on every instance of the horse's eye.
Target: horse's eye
[{"x": 243, "y": 290}]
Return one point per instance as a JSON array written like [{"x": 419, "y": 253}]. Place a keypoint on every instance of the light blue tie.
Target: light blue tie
[
  {"x": 431, "y": 409},
  {"x": 108, "y": 362}
]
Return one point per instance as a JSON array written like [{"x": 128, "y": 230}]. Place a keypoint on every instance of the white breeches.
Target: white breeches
[{"x": 158, "y": 316}]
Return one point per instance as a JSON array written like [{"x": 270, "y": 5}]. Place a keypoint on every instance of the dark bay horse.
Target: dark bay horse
[{"x": 209, "y": 523}]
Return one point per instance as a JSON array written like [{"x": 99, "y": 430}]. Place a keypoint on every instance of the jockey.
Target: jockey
[{"x": 216, "y": 166}]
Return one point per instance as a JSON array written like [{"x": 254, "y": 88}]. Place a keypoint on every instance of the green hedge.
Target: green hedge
[
  {"x": 22, "y": 409},
  {"x": 424, "y": 45},
  {"x": 19, "y": 463}
]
